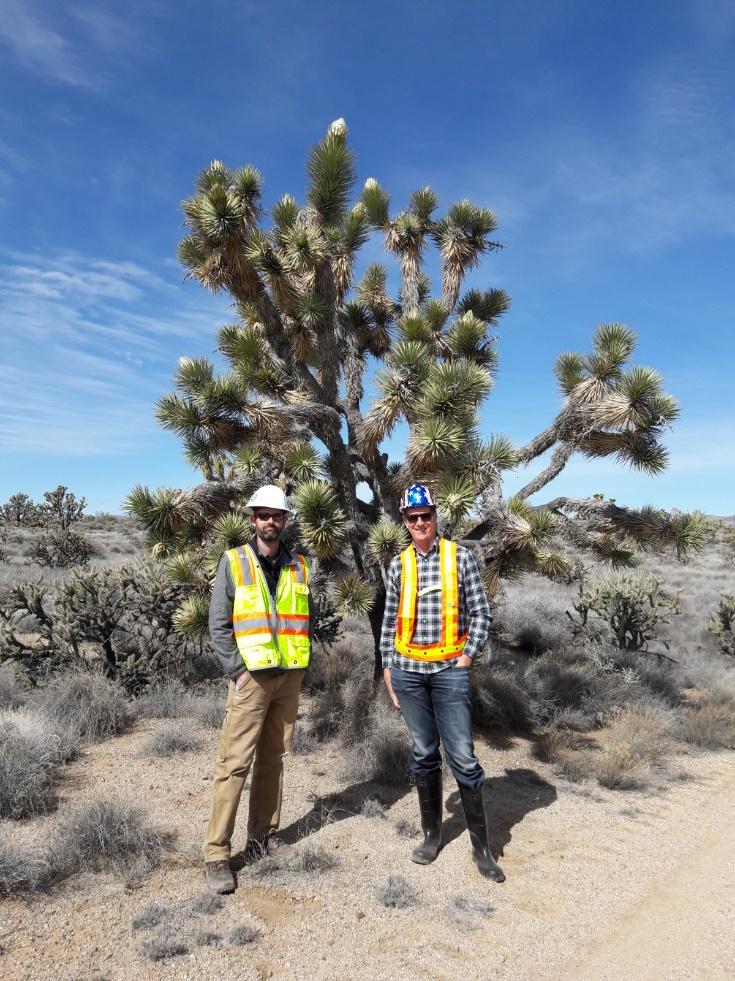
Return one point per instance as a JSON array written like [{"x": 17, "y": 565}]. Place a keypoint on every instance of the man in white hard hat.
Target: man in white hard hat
[{"x": 260, "y": 625}]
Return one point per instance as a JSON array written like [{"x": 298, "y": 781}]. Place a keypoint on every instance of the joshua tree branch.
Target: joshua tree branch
[{"x": 559, "y": 459}]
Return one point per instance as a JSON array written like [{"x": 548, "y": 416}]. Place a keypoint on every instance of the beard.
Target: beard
[{"x": 268, "y": 534}]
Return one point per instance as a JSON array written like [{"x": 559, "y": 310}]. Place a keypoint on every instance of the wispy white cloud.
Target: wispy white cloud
[
  {"x": 71, "y": 46},
  {"x": 90, "y": 344}
]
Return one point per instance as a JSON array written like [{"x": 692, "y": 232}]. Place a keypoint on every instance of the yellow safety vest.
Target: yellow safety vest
[
  {"x": 450, "y": 644},
  {"x": 268, "y": 638}
]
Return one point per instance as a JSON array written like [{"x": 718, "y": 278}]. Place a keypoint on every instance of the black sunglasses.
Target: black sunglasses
[
  {"x": 425, "y": 516},
  {"x": 267, "y": 516}
]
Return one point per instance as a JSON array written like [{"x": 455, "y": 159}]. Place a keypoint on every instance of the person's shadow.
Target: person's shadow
[
  {"x": 330, "y": 808},
  {"x": 507, "y": 801}
]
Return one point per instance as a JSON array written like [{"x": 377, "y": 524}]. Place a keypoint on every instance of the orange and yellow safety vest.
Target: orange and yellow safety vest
[
  {"x": 268, "y": 637},
  {"x": 451, "y": 643}
]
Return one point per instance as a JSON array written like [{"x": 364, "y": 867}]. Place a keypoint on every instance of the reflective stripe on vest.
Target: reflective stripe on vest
[
  {"x": 268, "y": 638},
  {"x": 450, "y": 644}
]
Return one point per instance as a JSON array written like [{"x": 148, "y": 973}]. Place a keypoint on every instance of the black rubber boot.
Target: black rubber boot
[
  {"x": 429, "y": 787},
  {"x": 474, "y": 810}
]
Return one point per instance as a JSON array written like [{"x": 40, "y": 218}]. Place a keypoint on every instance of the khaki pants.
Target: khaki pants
[{"x": 258, "y": 723}]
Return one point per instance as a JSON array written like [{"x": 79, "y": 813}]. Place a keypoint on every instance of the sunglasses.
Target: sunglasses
[
  {"x": 267, "y": 516},
  {"x": 424, "y": 516}
]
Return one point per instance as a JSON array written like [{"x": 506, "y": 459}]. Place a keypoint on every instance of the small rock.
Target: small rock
[{"x": 359, "y": 915}]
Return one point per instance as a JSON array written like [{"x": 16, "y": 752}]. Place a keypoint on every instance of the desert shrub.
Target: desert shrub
[
  {"x": 710, "y": 723},
  {"x": 498, "y": 700},
  {"x": 209, "y": 709},
  {"x": 331, "y": 666},
  {"x": 206, "y": 938},
  {"x": 205, "y": 904},
  {"x": 556, "y": 744},
  {"x": 660, "y": 678},
  {"x": 468, "y": 914},
  {"x": 406, "y": 829},
  {"x": 61, "y": 549},
  {"x": 637, "y": 744},
  {"x": 31, "y": 751},
  {"x": 12, "y": 693},
  {"x": 383, "y": 753},
  {"x": 304, "y": 741},
  {"x": 630, "y": 606},
  {"x": 105, "y": 836},
  {"x": 169, "y": 741},
  {"x": 150, "y": 916},
  {"x": 397, "y": 893},
  {"x": 167, "y": 700},
  {"x": 243, "y": 934},
  {"x": 85, "y": 703},
  {"x": 532, "y": 623},
  {"x": 312, "y": 860},
  {"x": 20, "y": 871},
  {"x": 722, "y": 624},
  {"x": 373, "y": 808},
  {"x": 167, "y": 943}
]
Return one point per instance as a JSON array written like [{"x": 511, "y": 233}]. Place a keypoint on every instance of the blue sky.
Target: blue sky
[{"x": 602, "y": 135}]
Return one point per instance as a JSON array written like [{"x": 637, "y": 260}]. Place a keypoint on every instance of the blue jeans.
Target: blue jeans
[{"x": 437, "y": 707}]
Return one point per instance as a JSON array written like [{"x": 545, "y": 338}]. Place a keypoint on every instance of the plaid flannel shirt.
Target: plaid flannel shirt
[{"x": 474, "y": 610}]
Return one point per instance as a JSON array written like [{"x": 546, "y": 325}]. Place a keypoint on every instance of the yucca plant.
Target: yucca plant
[{"x": 288, "y": 405}]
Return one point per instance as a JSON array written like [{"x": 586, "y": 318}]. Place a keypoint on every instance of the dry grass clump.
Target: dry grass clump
[
  {"x": 169, "y": 741},
  {"x": 531, "y": 617},
  {"x": 372, "y": 808},
  {"x": 243, "y": 934},
  {"x": 312, "y": 860},
  {"x": 468, "y": 914},
  {"x": 164, "y": 700},
  {"x": 498, "y": 699},
  {"x": 19, "y": 872},
  {"x": 149, "y": 916},
  {"x": 383, "y": 754},
  {"x": 31, "y": 751},
  {"x": 105, "y": 836},
  {"x": 637, "y": 746},
  {"x": 12, "y": 694},
  {"x": 711, "y": 722},
  {"x": 209, "y": 709},
  {"x": 165, "y": 944},
  {"x": 87, "y": 704},
  {"x": 397, "y": 893},
  {"x": 332, "y": 665}
]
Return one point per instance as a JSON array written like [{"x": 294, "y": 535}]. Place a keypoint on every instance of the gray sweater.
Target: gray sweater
[{"x": 220, "y": 618}]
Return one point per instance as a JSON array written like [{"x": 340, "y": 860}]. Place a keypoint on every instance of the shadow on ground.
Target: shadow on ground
[
  {"x": 330, "y": 808},
  {"x": 507, "y": 800}
]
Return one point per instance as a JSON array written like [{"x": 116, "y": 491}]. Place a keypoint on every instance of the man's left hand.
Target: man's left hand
[{"x": 465, "y": 661}]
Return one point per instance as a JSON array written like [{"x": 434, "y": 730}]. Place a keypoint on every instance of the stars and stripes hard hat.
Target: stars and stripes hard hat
[{"x": 417, "y": 496}]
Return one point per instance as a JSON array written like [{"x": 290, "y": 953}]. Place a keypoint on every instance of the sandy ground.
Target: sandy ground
[{"x": 599, "y": 884}]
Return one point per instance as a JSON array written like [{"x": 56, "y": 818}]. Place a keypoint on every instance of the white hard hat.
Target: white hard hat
[{"x": 270, "y": 496}]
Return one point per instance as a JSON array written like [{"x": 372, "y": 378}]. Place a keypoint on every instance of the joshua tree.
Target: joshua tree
[{"x": 290, "y": 409}]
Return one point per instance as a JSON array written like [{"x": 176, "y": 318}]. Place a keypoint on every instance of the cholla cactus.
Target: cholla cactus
[
  {"x": 722, "y": 624},
  {"x": 631, "y": 605},
  {"x": 289, "y": 408}
]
